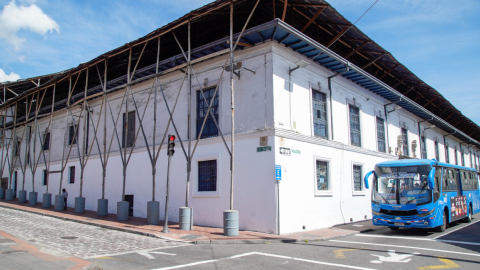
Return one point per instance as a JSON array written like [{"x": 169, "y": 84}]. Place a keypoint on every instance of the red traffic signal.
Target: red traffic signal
[
  {"x": 171, "y": 138},
  {"x": 171, "y": 145}
]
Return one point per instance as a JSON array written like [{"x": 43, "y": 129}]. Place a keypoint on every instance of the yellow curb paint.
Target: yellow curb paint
[
  {"x": 339, "y": 253},
  {"x": 448, "y": 264}
]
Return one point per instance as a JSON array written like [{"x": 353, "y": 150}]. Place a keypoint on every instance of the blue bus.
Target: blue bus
[{"x": 422, "y": 193}]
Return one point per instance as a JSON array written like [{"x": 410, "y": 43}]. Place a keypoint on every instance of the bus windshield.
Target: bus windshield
[{"x": 396, "y": 187}]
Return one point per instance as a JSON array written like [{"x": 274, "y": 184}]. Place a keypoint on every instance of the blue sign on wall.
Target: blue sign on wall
[{"x": 278, "y": 172}]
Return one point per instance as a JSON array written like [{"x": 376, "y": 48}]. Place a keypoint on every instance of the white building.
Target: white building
[{"x": 325, "y": 139}]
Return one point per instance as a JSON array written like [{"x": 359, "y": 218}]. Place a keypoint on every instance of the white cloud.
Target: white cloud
[
  {"x": 14, "y": 18},
  {"x": 11, "y": 77}
]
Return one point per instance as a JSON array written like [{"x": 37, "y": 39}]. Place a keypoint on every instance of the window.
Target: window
[
  {"x": 450, "y": 180},
  {"x": 207, "y": 175},
  {"x": 355, "y": 136},
  {"x": 423, "y": 147},
  {"x": 381, "y": 135},
  {"x": 437, "y": 151},
  {"x": 456, "y": 156},
  {"x": 130, "y": 129},
  {"x": 475, "y": 160},
  {"x": 46, "y": 141},
  {"x": 470, "y": 157},
  {"x": 447, "y": 154},
  {"x": 71, "y": 175},
  {"x": 322, "y": 175},
  {"x": 210, "y": 129},
  {"x": 72, "y": 134},
  {"x": 45, "y": 178},
  {"x": 469, "y": 181},
  {"x": 357, "y": 178},
  {"x": 16, "y": 150},
  {"x": 320, "y": 122},
  {"x": 462, "y": 155},
  {"x": 405, "y": 141}
]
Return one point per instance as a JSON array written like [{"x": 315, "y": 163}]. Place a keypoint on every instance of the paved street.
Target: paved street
[{"x": 458, "y": 247}]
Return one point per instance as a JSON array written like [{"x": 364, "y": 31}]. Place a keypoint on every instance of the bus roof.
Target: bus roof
[{"x": 413, "y": 162}]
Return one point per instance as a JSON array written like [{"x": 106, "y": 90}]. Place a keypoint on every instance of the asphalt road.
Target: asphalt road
[{"x": 457, "y": 247}]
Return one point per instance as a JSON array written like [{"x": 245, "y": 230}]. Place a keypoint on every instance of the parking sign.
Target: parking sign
[{"x": 278, "y": 172}]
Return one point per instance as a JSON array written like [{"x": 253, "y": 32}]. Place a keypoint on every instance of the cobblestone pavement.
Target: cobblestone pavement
[{"x": 62, "y": 237}]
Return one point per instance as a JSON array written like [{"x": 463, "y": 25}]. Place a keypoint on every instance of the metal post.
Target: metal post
[
  {"x": 165, "y": 226},
  {"x": 126, "y": 127},
  {"x": 232, "y": 146},
  {"x": 189, "y": 121},
  {"x": 104, "y": 173}
]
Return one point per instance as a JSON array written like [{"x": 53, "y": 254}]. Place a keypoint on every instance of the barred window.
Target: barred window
[
  {"x": 210, "y": 129},
  {"x": 45, "y": 178},
  {"x": 423, "y": 147},
  {"x": 357, "y": 178},
  {"x": 447, "y": 154},
  {"x": 320, "y": 122},
  {"x": 437, "y": 151},
  {"x": 46, "y": 141},
  {"x": 355, "y": 135},
  {"x": 71, "y": 176},
  {"x": 470, "y": 157},
  {"x": 72, "y": 134},
  {"x": 381, "y": 135},
  {"x": 322, "y": 175},
  {"x": 405, "y": 141},
  {"x": 130, "y": 129},
  {"x": 16, "y": 150},
  {"x": 462, "y": 155},
  {"x": 456, "y": 156},
  {"x": 207, "y": 175}
]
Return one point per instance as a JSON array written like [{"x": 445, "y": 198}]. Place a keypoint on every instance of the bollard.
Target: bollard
[
  {"x": 102, "y": 207},
  {"x": 32, "y": 198},
  {"x": 59, "y": 203},
  {"x": 230, "y": 223},
  {"x": 185, "y": 221},
  {"x": 153, "y": 213},
  {"x": 8, "y": 194},
  {"x": 122, "y": 210},
  {"x": 79, "y": 205},
  {"x": 47, "y": 200},
  {"x": 22, "y": 196},
  {"x": 2, "y": 193}
]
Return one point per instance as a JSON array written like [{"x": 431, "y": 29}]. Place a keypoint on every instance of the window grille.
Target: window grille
[
  {"x": 357, "y": 178},
  {"x": 207, "y": 175},
  {"x": 405, "y": 141},
  {"x": 437, "y": 151},
  {"x": 45, "y": 177},
  {"x": 72, "y": 175},
  {"x": 72, "y": 135},
  {"x": 355, "y": 136},
  {"x": 381, "y": 135},
  {"x": 320, "y": 122},
  {"x": 130, "y": 129},
  {"x": 423, "y": 147},
  {"x": 210, "y": 129},
  {"x": 46, "y": 141},
  {"x": 322, "y": 175}
]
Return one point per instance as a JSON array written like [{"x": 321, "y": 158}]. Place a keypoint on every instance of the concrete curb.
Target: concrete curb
[
  {"x": 198, "y": 242},
  {"x": 99, "y": 225}
]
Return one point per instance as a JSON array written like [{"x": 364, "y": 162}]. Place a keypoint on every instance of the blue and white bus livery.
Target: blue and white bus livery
[{"x": 422, "y": 193}]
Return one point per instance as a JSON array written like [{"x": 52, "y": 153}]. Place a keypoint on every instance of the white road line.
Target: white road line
[
  {"x": 264, "y": 254},
  {"x": 133, "y": 251},
  {"x": 420, "y": 239},
  {"x": 420, "y": 248},
  {"x": 162, "y": 253},
  {"x": 455, "y": 230},
  {"x": 144, "y": 253}
]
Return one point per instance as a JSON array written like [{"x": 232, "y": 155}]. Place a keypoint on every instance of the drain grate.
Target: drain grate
[{"x": 69, "y": 237}]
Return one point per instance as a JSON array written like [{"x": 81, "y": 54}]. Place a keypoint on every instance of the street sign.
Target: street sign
[
  {"x": 264, "y": 148},
  {"x": 278, "y": 172},
  {"x": 285, "y": 151}
]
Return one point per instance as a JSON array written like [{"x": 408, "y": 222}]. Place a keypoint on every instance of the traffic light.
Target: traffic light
[{"x": 171, "y": 145}]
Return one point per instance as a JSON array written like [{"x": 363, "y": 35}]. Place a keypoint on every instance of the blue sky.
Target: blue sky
[{"x": 436, "y": 39}]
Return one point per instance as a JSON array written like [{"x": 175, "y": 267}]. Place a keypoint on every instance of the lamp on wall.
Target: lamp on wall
[
  {"x": 396, "y": 108},
  {"x": 299, "y": 64}
]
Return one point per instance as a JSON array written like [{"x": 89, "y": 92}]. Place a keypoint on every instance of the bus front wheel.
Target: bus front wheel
[{"x": 444, "y": 225}]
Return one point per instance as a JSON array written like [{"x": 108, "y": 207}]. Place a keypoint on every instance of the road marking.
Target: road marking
[
  {"x": 448, "y": 264},
  {"x": 133, "y": 251},
  {"x": 143, "y": 253},
  {"x": 393, "y": 257},
  {"x": 455, "y": 230},
  {"x": 163, "y": 253},
  {"x": 420, "y": 248},
  {"x": 339, "y": 253},
  {"x": 263, "y": 254},
  {"x": 420, "y": 239}
]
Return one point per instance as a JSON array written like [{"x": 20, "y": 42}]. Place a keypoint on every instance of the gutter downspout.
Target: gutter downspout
[
  {"x": 445, "y": 144},
  {"x": 331, "y": 97},
  {"x": 386, "y": 122},
  {"x": 420, "y": 136}
]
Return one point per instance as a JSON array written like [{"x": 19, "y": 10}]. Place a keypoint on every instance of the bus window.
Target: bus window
[
  {"x": 450, "y": 181},
  {"x": 438, "y": 179}
]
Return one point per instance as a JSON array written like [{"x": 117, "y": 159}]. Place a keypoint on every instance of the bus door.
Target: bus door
[{"x": 461, "y": 175}]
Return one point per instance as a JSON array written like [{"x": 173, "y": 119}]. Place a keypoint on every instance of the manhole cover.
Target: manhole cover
[
  {"x": 14, "y": 251},
  {"x": 69, "y": 237}
]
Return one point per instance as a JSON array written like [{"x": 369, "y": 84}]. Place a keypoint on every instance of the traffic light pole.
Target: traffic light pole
[{"x": 165, "y": 226}]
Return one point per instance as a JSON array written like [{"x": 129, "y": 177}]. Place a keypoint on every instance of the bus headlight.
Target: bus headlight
[
  {"x": 375, "y": 213},
  {"x": 426, "y": 214}
]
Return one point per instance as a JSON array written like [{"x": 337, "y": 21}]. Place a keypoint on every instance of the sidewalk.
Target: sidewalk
[{"x": 198, "y": 235}]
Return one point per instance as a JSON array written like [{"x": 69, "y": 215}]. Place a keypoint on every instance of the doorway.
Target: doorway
[{"x": 129, "y": 199}]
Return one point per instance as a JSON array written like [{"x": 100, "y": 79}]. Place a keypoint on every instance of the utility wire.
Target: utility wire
[{"x": 352, "y": 24}]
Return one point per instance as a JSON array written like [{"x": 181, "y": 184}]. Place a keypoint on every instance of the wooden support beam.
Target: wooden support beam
[
  {"x": 284, "y": 10},
  {"x": 389, "y": 71},
  {"x": 373, "y": 61},
  {"x": 450, "y": 116},
  {"x": 337, "y": 36},
  {"x": 432, "y": 100},
  {"x": 309, "y": 5},
  {"x": 357, "y": 49},
  {"x": 313, "y": 19},
  {"x": 401, "y": 81}
]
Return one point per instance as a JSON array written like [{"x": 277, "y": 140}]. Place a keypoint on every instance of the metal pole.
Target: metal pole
[
  {"x": 82, "y": 164},
  {"x": 104, "y": 173},
  {"x": 65, "y": 136},
  {"x": 154, "y": 160},
  {"x": 14, "y": 143},
  {"x": 51, "y": 135},
  {"x": 189, "y": 117},
  {"x": 232, "y": 158},
  {"x": 126, "y": 127},
  {"x": 165, "y": 226}
]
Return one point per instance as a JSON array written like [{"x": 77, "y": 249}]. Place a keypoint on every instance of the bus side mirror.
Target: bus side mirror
[
  {"x": 431, "y": 176},
  {"x": 366, "y": 178}
]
